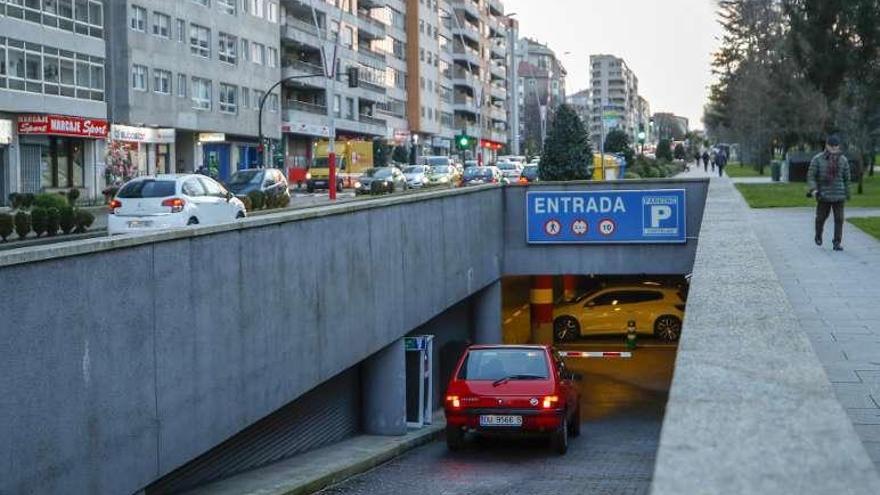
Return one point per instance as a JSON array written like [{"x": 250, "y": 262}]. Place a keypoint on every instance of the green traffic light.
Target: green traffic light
[{"x": 464, "y": 142}]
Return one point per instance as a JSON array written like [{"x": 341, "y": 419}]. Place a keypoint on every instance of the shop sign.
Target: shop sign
[
  {"x": 307, "y": 129},
  {"x": 212, "y": 137},
  {"x": 5, "y": 131},
  {"x": 63, "y": 125},
  {"x": 141, "y": 134}
]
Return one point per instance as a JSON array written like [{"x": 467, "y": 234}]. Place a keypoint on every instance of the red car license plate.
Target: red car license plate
[{"x": 499, "y": 420}]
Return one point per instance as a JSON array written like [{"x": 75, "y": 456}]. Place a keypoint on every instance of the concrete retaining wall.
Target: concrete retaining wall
[{"x": 122, "y": 364}]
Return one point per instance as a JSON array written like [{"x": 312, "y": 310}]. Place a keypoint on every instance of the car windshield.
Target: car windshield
[
  {"x": 475, "y": 172},
  {"x": 496, "y": 364},
  {"x": 148, "y": 188},
  {"x": 530, "y": 172},
  {"x": 381, "y": 173},
  {"x": 507, "y": 166},
  {"x": 440, "y": 170},
  {"x": 415, "y": 169},
  {"x": 245, "y": 177}
]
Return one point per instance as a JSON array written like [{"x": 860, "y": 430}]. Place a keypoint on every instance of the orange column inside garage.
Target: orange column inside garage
[
  {"x": 541, "y": 299},
  {"x": 569, "y": 286}
]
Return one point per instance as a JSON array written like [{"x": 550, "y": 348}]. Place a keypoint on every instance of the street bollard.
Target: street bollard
[{"x": 631, "y": 335}]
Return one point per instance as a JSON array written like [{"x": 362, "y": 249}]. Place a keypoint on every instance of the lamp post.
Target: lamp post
[{"x": 261, "y": 146}]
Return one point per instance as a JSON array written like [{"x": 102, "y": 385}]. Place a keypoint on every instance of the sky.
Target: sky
[{"x": 667, "y": 43}]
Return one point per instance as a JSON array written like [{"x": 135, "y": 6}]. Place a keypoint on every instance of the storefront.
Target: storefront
[
  {"x": 224, "y": 154},
  {"x": 59, "y": 152},
  {"x": 136, "y": 151},
  {"x": 5, "y": 141}
]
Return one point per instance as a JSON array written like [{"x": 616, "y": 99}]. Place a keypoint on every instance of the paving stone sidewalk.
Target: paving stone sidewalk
[{"x": 836, "y": 298}]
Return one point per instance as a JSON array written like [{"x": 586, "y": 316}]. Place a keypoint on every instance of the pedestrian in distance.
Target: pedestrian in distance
[
  {"x": 705, "y": 160},
  {"x": 697, "y": 158},
  {"x": 713, "y": 158},
  {"x": 721, "y": 162},
  {"x": 829, "y": 179}
]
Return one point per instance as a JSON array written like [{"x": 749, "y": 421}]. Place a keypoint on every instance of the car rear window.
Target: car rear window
[
  {"x": 147, "y": 188},
  {"x": 495, "y": 364}
]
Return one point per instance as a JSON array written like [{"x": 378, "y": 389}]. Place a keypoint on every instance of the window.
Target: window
[
  {"x": 228, "y": 48},
  {"x": 272, "y": 12},
  {"x": 228, "y": 98},
  {"x": 273, "y": 103},
  {"x": 192, "y": 188},
  {"x": 245, "y": 50},
  {"x": 161, "y": 25},
  {"x": 139, "y": 77},
  {"x": 162, "y": 81},
  {"x": 138, "y": 19},
  {"x": 348, "y": 36},
  {"x": 349, "y": 108},
  {"x": 258, "y": 7},
  {"x": 201, "y": 93},
  {"x": 258, "y": 97},
  {"x": 181, "y": 30},
  {"x": 245, "y": 98},
  {"x": 494, "y": 364},
  {"x": 336, "y": 105},
  {"x": 63, "y": 163},
  {"x": 212, "y": 188},
  {"x": 272, "y": 60},
  {"x": 227, "y": 6},
  {"x": 181, "y": 85},
  {"x": 206, "y": 3},
  {"x": 258, "y": 53},
  {"x": 200, "y": 41}
]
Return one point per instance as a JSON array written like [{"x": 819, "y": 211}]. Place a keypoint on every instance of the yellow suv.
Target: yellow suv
[{"x": 655, "y": 310}]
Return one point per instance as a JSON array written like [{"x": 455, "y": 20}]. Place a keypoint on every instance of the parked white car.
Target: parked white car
[{"x": 163, "y": 202}]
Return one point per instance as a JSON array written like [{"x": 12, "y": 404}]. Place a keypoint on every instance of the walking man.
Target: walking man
[
  {"x": 721, "y": 161},
  {"x": 705, "y": 160},
  {"x": 828, "y": 179}
]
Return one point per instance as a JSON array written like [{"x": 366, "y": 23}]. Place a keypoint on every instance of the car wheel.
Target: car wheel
[
  {"x": 192, "y": 221},
  {"x": 310, "y": 189},
  {"x": 565, "y": 329},
  {"x": 454, "y": 438},
  {"x": 559, "y": 440},
  {"x": 667, "y": 328},
  {"x": 240, "y": 215},
  {"x": 575, "y": 427}
]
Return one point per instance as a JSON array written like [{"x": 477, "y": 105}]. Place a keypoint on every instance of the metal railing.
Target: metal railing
[
  {"x": 301, "y": 25},
  {"x": 369, "y": 86},
  {"x": 308, "y": 107},
  {"x": 366, "y": 119}
]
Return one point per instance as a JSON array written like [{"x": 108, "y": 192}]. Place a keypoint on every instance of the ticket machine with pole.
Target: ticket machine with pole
[{"x": 419, "y": 380}]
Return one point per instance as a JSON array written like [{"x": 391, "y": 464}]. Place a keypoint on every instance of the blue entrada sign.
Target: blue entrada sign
[{"x": 606, "y": 217}]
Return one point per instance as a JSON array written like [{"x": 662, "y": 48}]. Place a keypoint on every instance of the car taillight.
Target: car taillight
[
  {"x": 523, "y": 180},
  {"x": 453, "y": 401},
  {"x": 550, "y": 401},
  {"x": 114, "y": 204},
  {"x": 176, "y": 204}
]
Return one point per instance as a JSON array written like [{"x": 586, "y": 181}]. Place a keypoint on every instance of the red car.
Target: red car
[{"x": 515, "y": 390}]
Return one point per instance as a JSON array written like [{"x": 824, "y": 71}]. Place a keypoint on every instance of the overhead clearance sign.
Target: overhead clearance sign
[{"x": 607, "y": 217}]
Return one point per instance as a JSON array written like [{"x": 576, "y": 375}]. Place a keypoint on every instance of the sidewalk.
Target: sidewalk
[
  {"x": 312, "y": 471},
  {"x": 836, "y": 299}
]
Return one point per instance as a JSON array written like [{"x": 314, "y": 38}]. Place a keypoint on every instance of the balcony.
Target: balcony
[
  {"x": 498, "y": 114},
  {"x": 467, "y": 126},
  {"x": 303, "y": 106},
  {"x": 370, "y": 28},
  {"x": 295, "y": 67},
  {"x": 498, "y": 71},
  {"x": 371, "y": 120},
  {"x": 464, "y": 103},
  {"x": 498, "y": 92},
  {"x": 463, "y": 78},
  {"x": 372, "y": 126},
  {"x": 469, "y": 7},
  {"x": 466, "y": 29},
  {"x": 466, "y": 54},
  {"x": 300, "y": 32},
  {"x": 372, "y": 4},
  {"x": 372, "y": 87},
  {"x": 498, "y": 49}
]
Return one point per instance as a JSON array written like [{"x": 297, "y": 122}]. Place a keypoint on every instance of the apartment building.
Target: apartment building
[
  {"x": 541, "y": 79},
  {"x": 580, "y": 102},
  {"x": 53, "y": 100},
  {"x": 614, "y": 89},
  {"x": 187, "y": 77}
]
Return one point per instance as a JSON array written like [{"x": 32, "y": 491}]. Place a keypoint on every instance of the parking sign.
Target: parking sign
[{"x": 607, "y": 217}]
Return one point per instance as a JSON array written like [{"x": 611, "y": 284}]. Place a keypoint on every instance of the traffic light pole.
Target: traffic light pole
[{"x": 261, "y": 146}]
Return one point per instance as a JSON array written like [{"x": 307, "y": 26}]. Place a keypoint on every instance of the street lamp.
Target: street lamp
[{"x": 261, "y": 146}]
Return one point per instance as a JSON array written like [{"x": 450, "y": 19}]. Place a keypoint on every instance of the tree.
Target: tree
[
  {"x": 679, "y": 152},
  {"x": 664, "y": 150},
  {"x": 567, "y": 151},
  {"x": 618, "y": 142}
]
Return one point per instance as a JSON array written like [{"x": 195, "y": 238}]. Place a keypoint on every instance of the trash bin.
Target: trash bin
[{"x": 776, "y": 170}]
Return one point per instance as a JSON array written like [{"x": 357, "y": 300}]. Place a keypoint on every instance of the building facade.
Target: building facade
[
  {"x": 671, "y": 126},
  {"x": 614, "y": 89},
  {"x": 541, "y": 79},
  {"x": 580, "y": 102},
  {"x": 53, "y": 98},
  {"x": 186, "y": 81}
]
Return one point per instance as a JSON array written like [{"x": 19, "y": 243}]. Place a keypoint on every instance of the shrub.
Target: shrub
[
  {"x": 283, "y": 201},
  {"x": 38, "y": 220},
  {"x": 50, "y": 200},
  {"x": 258, "y": 199},
  {"x": 84, "y": 220},
  {"x": 15, "y": 200},
  {"x": 631, "y": 175},
  {"x": 27, "y": 200},
  {"x": 22, "y": 224},
  {"x": 248, "y": 206},
  {"x": 72, "y": 196},
  {"x": 67, "y": 219},
  {"x": 53, "y": 218},
  {"x": 7, "y": 225}
]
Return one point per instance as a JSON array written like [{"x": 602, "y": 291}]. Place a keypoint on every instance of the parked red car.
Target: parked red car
[{"x": 512, "y": 390}]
